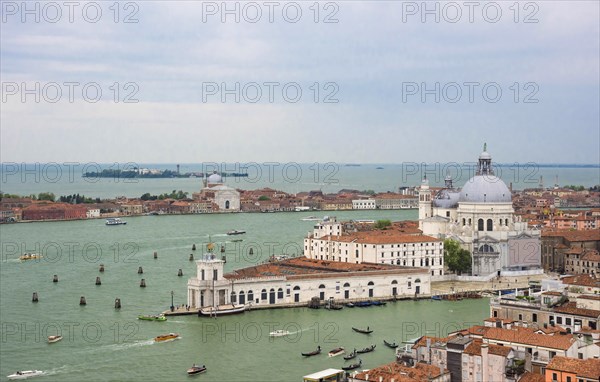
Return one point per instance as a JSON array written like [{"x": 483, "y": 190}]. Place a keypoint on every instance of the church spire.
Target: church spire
[{"x": 485, "y": 163}]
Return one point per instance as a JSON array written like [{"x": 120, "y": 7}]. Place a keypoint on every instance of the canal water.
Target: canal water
[{"x": 101, "y": 343}]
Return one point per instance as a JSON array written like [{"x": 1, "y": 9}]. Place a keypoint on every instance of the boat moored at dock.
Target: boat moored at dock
[
  {"x": 153, "y": 317},
  {"x": 221, "y": 310}
]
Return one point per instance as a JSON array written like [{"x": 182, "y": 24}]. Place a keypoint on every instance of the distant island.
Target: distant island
[{"x": 152, "y": 174}]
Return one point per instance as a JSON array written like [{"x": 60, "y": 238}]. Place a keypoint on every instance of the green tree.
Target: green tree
[
  {"x": 263, "y": 197},
  {"x": 46, "y": 196},
  {"x": 382, "y": 224},
  {"x": 456, "y": 258}
]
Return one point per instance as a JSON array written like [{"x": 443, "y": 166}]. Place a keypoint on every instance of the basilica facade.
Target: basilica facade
[{"x": 480, "y": 216}]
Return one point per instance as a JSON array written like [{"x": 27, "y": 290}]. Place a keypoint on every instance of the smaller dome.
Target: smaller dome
[
  {"x": 215, "y": 178},
  {"x": 485, "y": 155},
  {"x": 446, "y": 199}
]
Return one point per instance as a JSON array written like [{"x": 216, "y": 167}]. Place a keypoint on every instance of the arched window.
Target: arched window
[
  {"x": 505, "y": 221},
  {"x": 469, "y": 221},
  {"x": 464, "y": 221},
  {"x": 233, "y": 297},
  {"x": 242, "y": 297},
  {"x": 322, "y": 292},
  {"x": 371, "y": 283},
  {"x": 417, "y": 281},
  {"x": 480, "y": 225},
  {"x": 346, "y": 285},
  {"x": 263, "y": 294},
  {"x": 296, "y": 287},
  {"x": 486, "y": 248},
  {"x": 250, "y": 295},
  {"x": 227, "y": 204},
  {"x": 279, "y": 293},
  {"x": 490, "y": 225}
]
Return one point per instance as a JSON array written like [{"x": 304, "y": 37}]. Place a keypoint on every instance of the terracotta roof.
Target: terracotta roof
[
  {"x": 589, "y": 297},
  {"x": 531, "y": 377},
  {"x": 528, "y": 336},
  {"x": 581, "y": 235},
  {"x": 588, "y": 368},
  {"x": 583, "y": 280},
  {"x": 571, "y": 308},
  {"x": 302, "y": 267},
  {"x": 422, "y": 342},
  {"x": 552, "y": 293},
  {"x": 421, "y": 372}
]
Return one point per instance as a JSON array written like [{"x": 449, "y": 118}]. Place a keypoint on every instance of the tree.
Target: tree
[
  {"x": 263, "y": 197},
  {"x": 46, "y": 196},
  {"x": 456, "y": 258},
  {"x": 382, "y": 224}
]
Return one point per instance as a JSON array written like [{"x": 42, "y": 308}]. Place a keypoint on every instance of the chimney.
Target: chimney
[{"x": 484, "y": 361}]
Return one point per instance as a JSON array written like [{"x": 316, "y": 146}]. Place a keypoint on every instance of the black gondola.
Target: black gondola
[
  {"x": 378, "y": 303},
  {"x": 352, "y": 366},
  {"x": 310, "y": 354},
  {"x": 351, "y": 355},
  {"x": 392, "y": 345},
  {"x": 350, "y": 305},
  {"x": 363, "y": 331},
  {"x": 366, "y": 350}
]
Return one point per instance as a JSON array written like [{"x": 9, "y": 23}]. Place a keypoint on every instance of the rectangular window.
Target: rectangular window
[
  {"x": 567, "y": 321},
  {"x": 559, "y": 320}
]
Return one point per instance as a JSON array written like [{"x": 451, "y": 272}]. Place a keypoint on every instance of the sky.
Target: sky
[{"x": 340, "y": 81}]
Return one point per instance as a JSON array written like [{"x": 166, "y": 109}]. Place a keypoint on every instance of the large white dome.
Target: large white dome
[
  {"x": 485, "y": 189},
  {"x": 215, "y": 178}
]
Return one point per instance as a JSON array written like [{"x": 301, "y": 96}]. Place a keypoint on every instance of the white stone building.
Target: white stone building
[
  {"x": 296, "y": 281},
  {"x": 480, "y": 216},
  {"x": 363, "y": 204},
  {"x": 225, "y": 197},
  {"x": 330, "y": 242}
]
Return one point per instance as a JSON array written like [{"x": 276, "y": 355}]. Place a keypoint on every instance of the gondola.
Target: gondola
[
  {"x": 350, "y": 305},
  {"x": 363, "y": 331},
  {"x": 366, "y": 350},
  {"x": 392, "y": 345},
  {"x": 310, "y": 354},
  {"x": 378, "y": 303},
  {"x": 363, "y": 304},
  {"x": 351, "y": 355},
  {"x": 352, "y": 366}
]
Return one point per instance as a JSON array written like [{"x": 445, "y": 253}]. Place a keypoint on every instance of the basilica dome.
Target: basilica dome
[
  {"x": 485, "y": 189},
  {"x": 215, "y": 178}
]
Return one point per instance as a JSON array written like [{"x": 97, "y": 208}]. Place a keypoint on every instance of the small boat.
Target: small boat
[
  {"x": 350, "y": 305},
  {"x": 351, "y": 355},
  {"x": 221, "y": 310},
  {"x": 378, "y": 168},
  {"x": 337, "y": 351},
  {"x": 30, "y": 256},
  {"x": 25, "y": 374},
  {"x": 436, "y": 298},
  {"x": 310, "y": 354},
  {"x": 153, "y": 317},
  {"x": 236, "y": 240},
  {"x": 196, "y": 369},
  {"x": 363, "y": 331},
  {"x": 115, "y": 221},
  {"x": 363, "y": 304},
  {"x": 236, "y": 232},
  {"x": 311, "y": 219},
  {"x": 392, "y": 345},
  {"x": 279, "y": 333},
  {"x": 366, "y": 350},
  {"x": 166, "y": 337},
  {"x": 378, "y": 303},
  {"x": 353, "y": 366},
  {"x": 53, "y": 339}
]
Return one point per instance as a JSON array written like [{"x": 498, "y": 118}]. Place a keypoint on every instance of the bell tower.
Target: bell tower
[{"x": 424, "y": 201}]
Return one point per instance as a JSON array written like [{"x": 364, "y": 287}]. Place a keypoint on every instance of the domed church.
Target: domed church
[{"x": 480, "y": 216}]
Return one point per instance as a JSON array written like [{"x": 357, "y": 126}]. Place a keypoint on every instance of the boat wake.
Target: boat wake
[
  {"x": 57, "y": 370},
  {"x": 123, "y": 346}
]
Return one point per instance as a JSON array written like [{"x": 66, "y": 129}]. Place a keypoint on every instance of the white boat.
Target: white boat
[
  {"x": 53, "y": 339},
  {"x": 25, "y": 374},
  {"x": 221, "y": 310},
  {"x": 279, "y": 333},
  {"x": 236, "y": 232},
  {"x": 115, "y": 221},
  {"x": 337, "y": 351},
  {"x": 311, "y": 219}
]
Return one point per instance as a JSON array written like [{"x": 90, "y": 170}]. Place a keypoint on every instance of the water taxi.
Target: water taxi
[
  {"x": 337, "y": 351},
  {"x": 53, "y": 339},
  {"x": 166, "y": 337},
  {"x": 115, "y": 221},
  {"x": 30, "y": 256},
  {"x": 279, "y": 333},
  {"x": 196, "y": 369},
  {"x": 153, "y": 317},
  {"x": 25, "y": 374},
  {"x": 236, "y": 232}
]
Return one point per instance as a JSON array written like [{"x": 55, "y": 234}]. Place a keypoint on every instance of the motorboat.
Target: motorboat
[
  {"x": 195, "y": 369},
  {"x": 311, "y": 219},
  {"x": 337, "y": 351},
  {"x": 25, "y": 374},
  {"x": 115, "y": 221},
  {"x": 315, "y": 352},
  {"x": 153, "y": 317},
  {"x": 236, "y": 232},
  {"x": 352, "y": 366},
  {"x": 350, "y": 305},
  {"x": 351, "y": 355},
  {"x": 30, "y": 256},
  {"x": 363, "y": 331},
  {"x": 53, "y": 339},
  {"x": 221, "y": 310},
  {"x": 368, "y": 349},
  {"x": 279, "y": 333},
  {"x": 391, "y": 345},
  {"x": 166, "y": 337}
]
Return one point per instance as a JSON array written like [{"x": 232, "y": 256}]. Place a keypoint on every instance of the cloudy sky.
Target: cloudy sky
[{"x": 380, "y": 81}]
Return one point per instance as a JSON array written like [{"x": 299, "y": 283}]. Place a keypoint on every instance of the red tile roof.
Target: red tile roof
[
  {"x": 528, "y": 336},
  {"x": 571, "y": 308},
  {"x": 588, "y": 368}
]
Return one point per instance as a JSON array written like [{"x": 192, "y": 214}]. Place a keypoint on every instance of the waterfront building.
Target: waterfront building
[
  {"x": 295, "y": 281},
  {"x": 391, "y": 201},
  {"x": 557, "y": 242},
  {"x": 343, "y": 242},
  {"x": 227, "y": 199},
  {"x": 480, "y": 216},
  {"x": 363, "y": 204}
]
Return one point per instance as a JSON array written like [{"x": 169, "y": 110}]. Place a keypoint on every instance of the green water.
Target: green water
[{"x": 101, "y": 343}]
